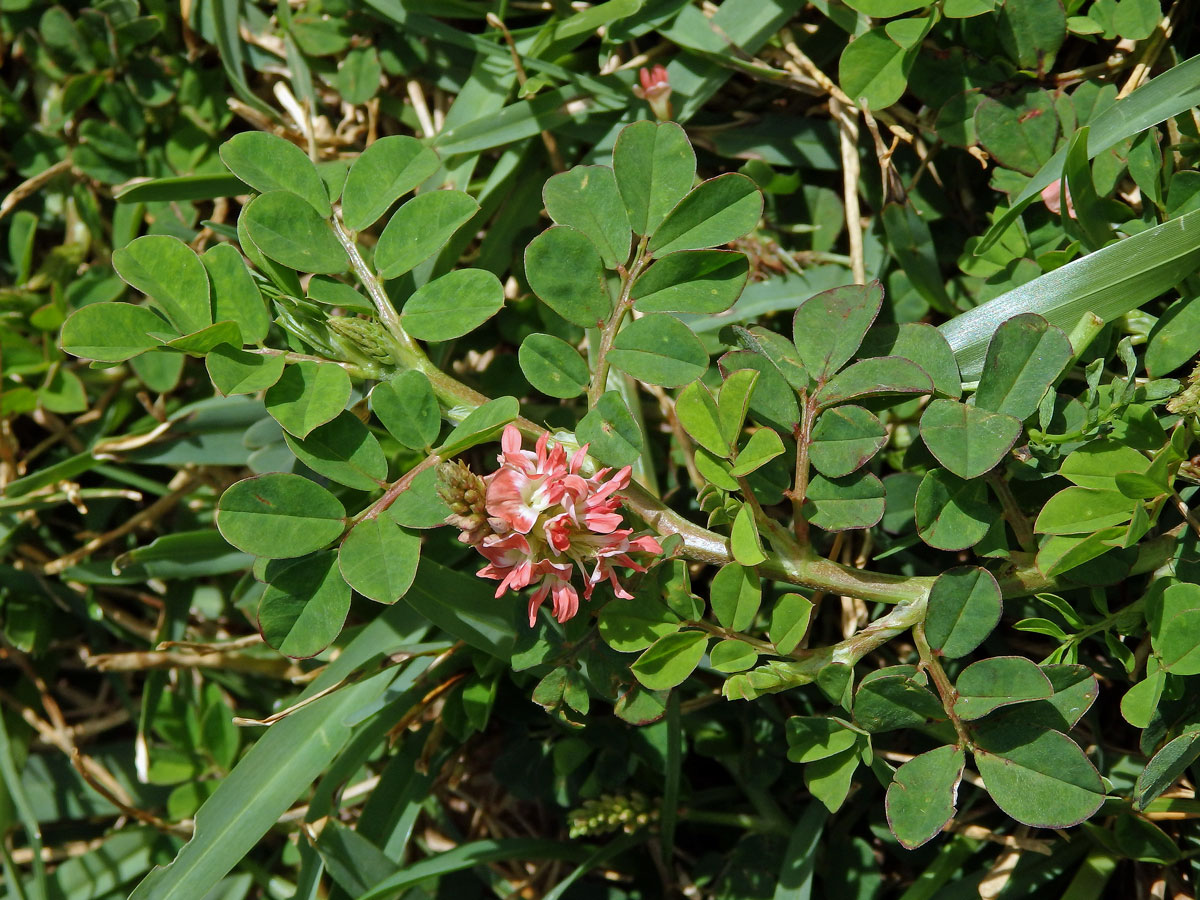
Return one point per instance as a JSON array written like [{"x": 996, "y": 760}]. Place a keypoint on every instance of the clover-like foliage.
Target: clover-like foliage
[{"x": 784, "y": 436}]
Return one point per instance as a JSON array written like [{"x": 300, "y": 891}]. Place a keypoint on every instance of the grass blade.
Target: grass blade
[
  {"x": 16, "y": 791},
  {"x": 746, "y": 25},
  {"x": 419, "y": 23},
  {"x": 1171, "y": 93},
  {"x": 602, "y": 855},
  {"x": 514, "y": 122},
  {"x": 279, "y": 767},
  {"x": 477, "y": 853},
  {"x": 1109, "y": 283},
  {"x": 800, "y": 858},
  {"x": 226, "y": 21}
]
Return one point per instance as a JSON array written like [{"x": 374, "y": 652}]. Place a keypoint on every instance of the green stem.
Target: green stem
[
  {"x": 878, "y": 633},
  {"x": 819, "y": 573},
  {"x": 401, "y": 485},
  {"x": 352, "y": 369},
  {"x": 1152, "y": 554},
  {"x": 388, "y": 316},
  {"x": 717, "y": 631},
  {"x": 609, "y": 333},
  {"x": 450, "y": 391},
  {"x": 800, "y": 487},
  {"x": 1085, "y": 331},
  {"x": 1108, "y": 621},
  {"x": 1041, "y": 437}
]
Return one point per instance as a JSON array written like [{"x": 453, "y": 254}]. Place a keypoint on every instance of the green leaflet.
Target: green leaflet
[
  {"x": 269, "y": 163},
  {"x": 921, "y": 798},
  {"x": 384, "y": 172},
  {"x": 670, "y": 659},
  {"x": 279, "y": 515},
  {"x": 965, "y": 604},
  {"x": 305, "y": 604}
]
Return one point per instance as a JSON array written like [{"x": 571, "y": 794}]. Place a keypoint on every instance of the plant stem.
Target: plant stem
[
  {"x": 1152, "y": 554},
  {"x": 764, "y": 647},
  {"x": 878, "y": 633},
  {"x": 411, "y": 352},
  {"x": 1108, "y": 621},
  {"x": 777, "y": 534},
  {"x": 1041, "y": 437},
  {"x": 352, "y": 369},
  {"x": 946, "y": 691},
  {"x": 800, "y": 487},
  {"x": 450, "y": 391},
  {"x": 609, "y": 333},
  {"x": 1012, "y": 512},
  {"x": 401, "y": 485}
]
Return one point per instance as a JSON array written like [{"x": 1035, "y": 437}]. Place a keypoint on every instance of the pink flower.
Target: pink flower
[
  {"x": 546, "y": 519},
  {"x": 1052, "y": 197},
  {"x": 655, "y": 89}
]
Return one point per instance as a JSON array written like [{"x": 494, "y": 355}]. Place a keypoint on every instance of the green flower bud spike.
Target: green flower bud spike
[
  {"x": 366, "y": 335},
  {"x": 611, "y": 813}
]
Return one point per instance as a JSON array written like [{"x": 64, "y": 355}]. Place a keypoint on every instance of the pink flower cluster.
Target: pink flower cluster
[{"x": 545, "y": 516}]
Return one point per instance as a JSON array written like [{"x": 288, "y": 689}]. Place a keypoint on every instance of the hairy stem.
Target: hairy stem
[
  {"x": 946, "y": 691},
  {"x": 388, "y": 316},
  {"x": 609, "y": 333},
  {"x": 450, "y": 391},
  {"x": 352, "y": 369},
  {"x": 800, "y": 487}
]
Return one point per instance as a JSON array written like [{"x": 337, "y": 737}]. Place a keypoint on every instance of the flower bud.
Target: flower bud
[
  {"x": 464, "y": 492},
  {"x": 655, "y": 89},
  {"x": 366, "y": 335}
]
